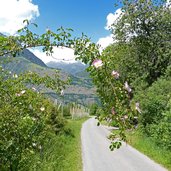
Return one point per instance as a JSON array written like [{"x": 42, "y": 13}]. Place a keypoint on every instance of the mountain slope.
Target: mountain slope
[
  {"x": 32, "y": 58},
  {"x": 27, "y": 54},
  {"x": 72, "y": 68},
  {"x": 81, "y": 90}
]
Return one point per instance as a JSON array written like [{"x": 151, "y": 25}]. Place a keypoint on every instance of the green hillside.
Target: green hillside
[{"x": 80, "y": 89}]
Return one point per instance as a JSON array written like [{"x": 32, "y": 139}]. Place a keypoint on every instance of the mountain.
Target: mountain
[
  {"x": 81, "y": 89},
  {"x": 27, "y": 54},
  {"x": 72, "y": 68},
  {"x": 32, "y": 58}
]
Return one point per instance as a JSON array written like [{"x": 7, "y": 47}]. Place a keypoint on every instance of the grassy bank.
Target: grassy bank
[
  {"x": 63, "y": 153},
  {"x": 147, "y": 146}
]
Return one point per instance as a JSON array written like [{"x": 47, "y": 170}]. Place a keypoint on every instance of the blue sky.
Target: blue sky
[
  {"x": 88, "y": 16},
  {"x": 92, "y": 17}
]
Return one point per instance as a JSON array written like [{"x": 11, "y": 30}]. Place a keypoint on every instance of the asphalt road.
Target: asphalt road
[{"x": 98, "y": 157}]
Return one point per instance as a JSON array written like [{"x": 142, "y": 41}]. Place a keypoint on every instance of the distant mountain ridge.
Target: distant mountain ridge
[
  {"x": 27, "y": 54},
  {"x": 72, "y": 68},
  {"x": 81, "y": 89}
]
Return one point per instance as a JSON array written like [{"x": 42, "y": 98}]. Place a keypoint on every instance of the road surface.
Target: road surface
[{"x": 98, "y": 157}]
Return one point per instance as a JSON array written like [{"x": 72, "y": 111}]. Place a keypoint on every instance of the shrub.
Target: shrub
[
  {"x": 161, "y": 131},
  {"x": 93, "y": 109},
  {"x": 66, "y": 111},
  {"x": 25, "y": 122},
  {"x": 156, "y": 111},
  {"x": 154, "y": 101}
]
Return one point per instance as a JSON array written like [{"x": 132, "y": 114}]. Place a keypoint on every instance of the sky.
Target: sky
[{"x": 92, "y": 17}]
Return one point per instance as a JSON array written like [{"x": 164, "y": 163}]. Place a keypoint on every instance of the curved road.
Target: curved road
[{"x": 98, "y": 157}]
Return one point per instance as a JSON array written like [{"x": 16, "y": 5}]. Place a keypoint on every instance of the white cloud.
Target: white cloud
[
  {"x": 105, "y": 41},
  {"x": 168, "y": 4},
  {"x": 60, "y": 54},
  {"x": 111, "y": 19},
  {"x": 13, "y": 12}
]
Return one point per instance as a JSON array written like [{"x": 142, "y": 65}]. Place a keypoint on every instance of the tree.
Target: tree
[
  {"x": 143, "y": 41},
  {"x": 123, "y": 58},
  {"x": 13, "y": 45},
  {"x": 146, "y": 26}
]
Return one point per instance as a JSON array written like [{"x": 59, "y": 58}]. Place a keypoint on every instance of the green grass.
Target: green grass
[
  {"x": 147, "y": 146},
  {"x": 63, "y": 153}
]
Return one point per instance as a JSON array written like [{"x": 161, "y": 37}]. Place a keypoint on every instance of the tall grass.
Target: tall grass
[
  {"x": 147, "y": 146},
  {"x": 63, "y": 153}
]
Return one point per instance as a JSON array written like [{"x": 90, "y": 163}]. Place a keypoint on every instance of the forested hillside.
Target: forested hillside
[{"x": 80, "y": 90}]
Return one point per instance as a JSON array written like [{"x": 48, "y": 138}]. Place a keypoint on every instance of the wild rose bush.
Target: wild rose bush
[
  {"x": 25, "y": 120},
  {"x": 113, "y": 90},
  {"x": 26, "y": 117},
  {"x": 116, "y": 96}
]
